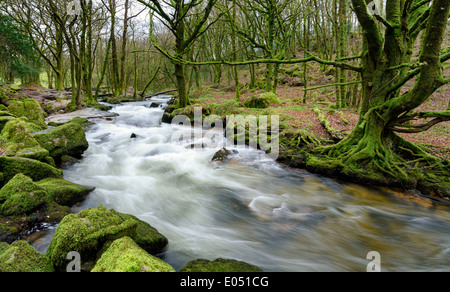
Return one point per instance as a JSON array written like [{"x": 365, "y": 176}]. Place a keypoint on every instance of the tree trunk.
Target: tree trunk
[
  {"x": 123, "y": 58},
  {"x": 89, "y": 67},
  {"x": 373, "y": 152},
  {"x": 59, "y": 73},
  {"x": 237, "y": 96},
  {"x": 181, "y": 85},
  {"x": 342, "y": 50},
  {"x": 115, "y": 79}
]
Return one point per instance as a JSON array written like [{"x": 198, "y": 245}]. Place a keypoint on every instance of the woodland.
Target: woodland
[{"x": 382, "y": 61}]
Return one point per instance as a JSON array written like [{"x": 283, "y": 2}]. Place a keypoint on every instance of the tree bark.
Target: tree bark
[{"x": 373, "y": 152}]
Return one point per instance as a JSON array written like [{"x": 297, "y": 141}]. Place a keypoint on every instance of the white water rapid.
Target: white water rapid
[{"x": 252, "y": 209}]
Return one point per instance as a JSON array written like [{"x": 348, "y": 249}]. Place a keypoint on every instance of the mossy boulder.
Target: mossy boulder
[
  {"x": 30, "y": 109},
  {"x": 21, "y": 142},
  {"x": 147, "y": 237},
  {"x": 83, "y": 122},
  {"x": 8, "y": 231},
  {"x": 263, "y": 100},
  {"x": 36, "y": 170},
  {"x": 219, "y": 265},
  {"x": 22, "y": 257},
  {"x": 68, "y": 139},
  {"x": 86, "y": 233},
  {"x": 21, "y": 195},
  {"x": 64, "y": 192},
  {"x": 4, "y": 120},
  {"x": 124, "y": 255}
]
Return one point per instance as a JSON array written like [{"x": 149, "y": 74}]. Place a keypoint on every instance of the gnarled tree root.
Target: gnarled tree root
[{"x": 392, "y": 162}]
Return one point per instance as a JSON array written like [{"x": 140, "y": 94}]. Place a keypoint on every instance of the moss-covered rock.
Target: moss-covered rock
[
  {"x": 83, "y": 122},
  {"x": 16, "y": 131},
  {"x": 21, "y": 142},
  {"x": 263, "y": 100},
  {"x": 30, "y": 109},
  {"x": 3, "y": 246},
  {"x": 53, "y": 213},
  {"x": 8, "y": 231},
  {"x": 22, "y": 257},
  {"x": 36, "y": 170},
  {"x": 219, "y": 265},
  {"x": 4, "y": 120},
  {"x": 147, "y": 237},
  {"x": 64, "y": 192},
  {"x": 124, "y": 255},
  {"x": 68, "y": 139},
  {"x": 86, "y": 233},
  {"x": 21, "y": 195}
]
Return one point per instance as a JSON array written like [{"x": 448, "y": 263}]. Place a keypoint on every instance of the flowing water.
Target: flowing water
[{"x": 251, "y": 209}]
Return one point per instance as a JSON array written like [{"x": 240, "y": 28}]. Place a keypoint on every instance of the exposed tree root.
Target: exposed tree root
[{"x": 392, "y": 162}]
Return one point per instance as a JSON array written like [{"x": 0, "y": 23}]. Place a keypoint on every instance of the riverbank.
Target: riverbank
[
  {"x": 270, "y": 206},
  {"x": 34, "y": 195},
  {"x": 319, "y": 123}
]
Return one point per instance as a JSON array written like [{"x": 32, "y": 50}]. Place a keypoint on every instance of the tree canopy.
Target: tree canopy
[{"x": 18, "y": 56}]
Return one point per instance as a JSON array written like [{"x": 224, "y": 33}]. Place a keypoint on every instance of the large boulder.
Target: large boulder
[
  {"x": 21, "y": 195},
  {"x": 219, "y": 266},
  {"x": 30, "y": 109},
  {"x": 64, "y": 192},
  {"x": 124, "y": 255},
  {"x": 25, "y": 204},
  {"x": 22, "y": 257},
  {"x": 92, "y": 231},
  {"x": 86, "y": 233},
  {"x": 21, "y": 142},
  {"x": 68, "y": 139},
  {"x": 36, "y": 170},
  {"x": 147, "y": 237}
]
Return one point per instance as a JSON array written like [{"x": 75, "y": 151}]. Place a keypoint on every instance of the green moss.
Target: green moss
[
  {"x": 54, "y": 213},
  {"x": 3, "y": 246},
  {"x": 124, "y": 255},
  {"x": 64, "y": 192},
  {"x": 86, "y": 233},
  {"x": 49, "y": 160},
  {"x": 8, "y": 231},
  {"x": 68, "y": 139},
  {"x": 30, "y": 109},
  {"x": 71, "y": 107},
  {"x": 10, "y": 166},
  {"x": 21, "y": 142},
  {"x": 36, "y": 153},
  {"x": 21, "y": 195},
  {"x": 255, "y": 102},
  {"x": 33, "y": 128},
  {"x": 22, "y": 257},
  {"x": 4, "y": 120},
  {"x": 263, "y": 100},
  {"x": 219, "y": 265},
  {"x": 323, "y": 120},
  {"x": 84, "y": 123},
  {"x": 16, "y": 131},
  {"x": 147, "y": 237}
]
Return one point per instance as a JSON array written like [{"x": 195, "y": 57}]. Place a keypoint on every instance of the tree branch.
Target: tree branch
[
  {"x": 370, "y": 28},
  {"x": 399, "y": 124},
  {"x": 418, "y": 128}
]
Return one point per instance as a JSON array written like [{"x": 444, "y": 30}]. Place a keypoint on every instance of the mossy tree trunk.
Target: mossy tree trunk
[
  {"x": 373, "y": 151},
  {"x": 237, "y": 97}
]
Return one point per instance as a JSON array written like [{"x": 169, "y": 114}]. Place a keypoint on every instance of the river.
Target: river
[{"x": 252, "y": 208}]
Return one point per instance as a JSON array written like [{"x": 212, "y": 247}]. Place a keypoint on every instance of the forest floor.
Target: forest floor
[{"x": 303, "y": 116}]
